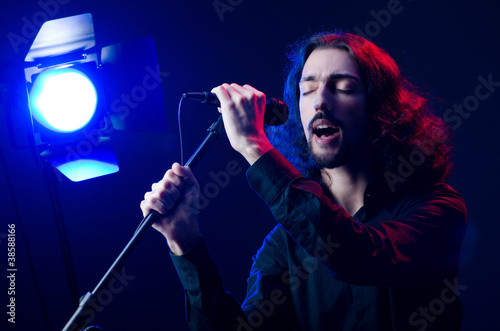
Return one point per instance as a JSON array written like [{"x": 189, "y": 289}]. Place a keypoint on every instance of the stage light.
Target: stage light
[
  {"x": 63, "y": 100},
  {"x": 73, "y": 115}
]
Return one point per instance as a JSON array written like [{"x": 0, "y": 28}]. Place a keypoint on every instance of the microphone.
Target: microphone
[{"x": 276, "y": 111}]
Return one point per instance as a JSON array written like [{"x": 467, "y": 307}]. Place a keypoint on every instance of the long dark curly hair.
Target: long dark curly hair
[{"x": 411, "y": 143}]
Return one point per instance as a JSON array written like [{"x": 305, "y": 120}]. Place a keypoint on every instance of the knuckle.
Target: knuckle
[
  {"x": 242, "y": 100},
  {"x": 159, "y": 206},
  {"x": 167, "y": 186},
  {"x": 169, "y": 174},
  {"x": 231, "y": 104},
  {"x": 162, "y": 195}
]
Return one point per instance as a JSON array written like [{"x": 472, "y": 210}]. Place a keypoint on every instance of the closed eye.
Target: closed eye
[{"x": 346, "y": 92}]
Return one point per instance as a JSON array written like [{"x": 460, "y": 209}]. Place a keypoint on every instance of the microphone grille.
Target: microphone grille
[{"x": 276, "y": 112}]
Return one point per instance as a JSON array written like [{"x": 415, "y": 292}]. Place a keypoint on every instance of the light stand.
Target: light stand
[{"x": 79, "y": 320}]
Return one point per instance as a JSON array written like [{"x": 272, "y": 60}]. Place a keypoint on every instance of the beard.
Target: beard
[{"x": 330, "y": 161}]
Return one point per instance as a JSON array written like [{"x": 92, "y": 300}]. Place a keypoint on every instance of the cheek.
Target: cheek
[
  {"x": 357, "y": 113},
  {"x": 363, "y": 116},
  {"x": 359, "y": 124}
]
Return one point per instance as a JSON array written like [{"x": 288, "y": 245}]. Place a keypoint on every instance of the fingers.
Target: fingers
[
  {"x": 221, "y": 93},
  {"x": 231, "y": 94},
  {"x": 186, "y": 174},
  {"x": 166, "y": 193},
  {"x": 243, "y": 110},
  {"x": 250, "y": 93},
  {"x": 261, "y": 97}
]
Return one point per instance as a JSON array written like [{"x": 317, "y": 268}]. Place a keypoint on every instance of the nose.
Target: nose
[{"x": 321, "y": 101}]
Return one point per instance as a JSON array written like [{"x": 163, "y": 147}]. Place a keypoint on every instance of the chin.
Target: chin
[{"x": 330, "y": 160}]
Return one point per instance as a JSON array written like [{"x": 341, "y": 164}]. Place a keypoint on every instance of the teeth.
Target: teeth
[{"x": 322, "y": 127}]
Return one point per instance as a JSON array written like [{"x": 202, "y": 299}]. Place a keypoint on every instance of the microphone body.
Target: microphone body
[{"x": 276, "y": 111}]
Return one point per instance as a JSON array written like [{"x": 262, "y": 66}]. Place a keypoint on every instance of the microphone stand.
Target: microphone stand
[{"x": 88, "y": 304}]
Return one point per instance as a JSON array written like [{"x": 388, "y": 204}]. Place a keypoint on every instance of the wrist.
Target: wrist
[
  {"x": 254, "y": 150},
  {"x": 180, "y": 247},
  {"x": 182, "y": 239}
]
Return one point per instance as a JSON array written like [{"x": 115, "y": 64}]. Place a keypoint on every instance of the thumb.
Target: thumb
[{"x": 186, "y": 174}]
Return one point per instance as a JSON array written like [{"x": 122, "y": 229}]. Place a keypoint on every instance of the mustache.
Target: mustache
[{"x": 326, "y": 116}]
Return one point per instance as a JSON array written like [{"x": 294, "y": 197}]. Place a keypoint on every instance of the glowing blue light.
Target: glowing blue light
[
  {"x": 84, "y": 169},
  {"x": 63, "y": 100}
]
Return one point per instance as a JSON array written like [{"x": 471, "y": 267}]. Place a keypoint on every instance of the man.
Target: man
[{"x": 368, "y": 235}]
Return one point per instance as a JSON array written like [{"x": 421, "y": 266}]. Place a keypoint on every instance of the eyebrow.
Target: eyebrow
[{"x": 335, "y": 76}]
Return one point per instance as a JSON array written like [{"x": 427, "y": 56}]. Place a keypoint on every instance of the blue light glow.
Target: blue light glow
[
  {"x": 84, "y": 169},
  {"x": 63, "y": 100}
]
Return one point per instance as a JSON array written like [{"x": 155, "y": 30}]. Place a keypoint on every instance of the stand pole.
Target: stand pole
[{"x": 88, "y": 304}]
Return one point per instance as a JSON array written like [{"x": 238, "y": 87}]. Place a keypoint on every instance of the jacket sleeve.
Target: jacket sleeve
[
  {"x": 420, "y": 245},
  {"x": 210, "y": 307}
]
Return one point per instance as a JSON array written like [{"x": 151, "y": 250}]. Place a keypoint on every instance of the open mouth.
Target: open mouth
[{"x": 324, "y": 131}]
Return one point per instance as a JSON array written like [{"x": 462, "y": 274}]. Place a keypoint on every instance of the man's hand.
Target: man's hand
[
  {"x": 242, "y": 109},
  {"x": 176, "y": 198}
]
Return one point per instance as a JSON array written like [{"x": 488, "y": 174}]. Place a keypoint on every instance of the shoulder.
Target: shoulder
[
  {"x": 272, "y": 255},
  {"x": 437, "y": 193},
  {"x": 437, "y": 205},
  {"x": 276, "y": 238}
]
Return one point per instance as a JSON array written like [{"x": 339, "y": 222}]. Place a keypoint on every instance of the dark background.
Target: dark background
[{"x": 443, "y": 46}]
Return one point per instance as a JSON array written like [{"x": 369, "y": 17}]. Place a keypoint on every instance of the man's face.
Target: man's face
[{"x": 333, "y": 108}]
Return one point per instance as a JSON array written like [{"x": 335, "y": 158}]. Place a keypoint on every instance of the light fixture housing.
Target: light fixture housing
[{"x": 74, "y": 92}]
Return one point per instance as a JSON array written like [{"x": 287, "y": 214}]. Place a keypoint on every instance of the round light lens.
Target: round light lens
[{"x": 63, "y": 100}]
